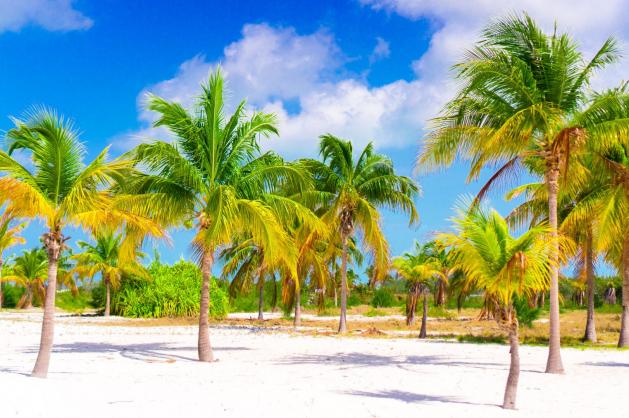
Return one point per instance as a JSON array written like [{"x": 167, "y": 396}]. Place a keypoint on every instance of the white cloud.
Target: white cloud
[
  {"x": 298, "y": 78},
  {"x": 301, "y": 77},
  {"x": 380, "y": 51},
  {"x": 54, "y": 15},
  {"x": 459, "y": 24}
]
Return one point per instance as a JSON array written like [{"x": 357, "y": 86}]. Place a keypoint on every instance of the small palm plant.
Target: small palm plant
[
  {"x": 504, "y": 267},
  {"x": 29, "y": 271},
  {"x": 60, "y": 189},
  {"x": 420, "y": 271},
  {"x": 351, "y": 190},
  {"x": 103, "y": 258},
  {"x": 9, "y": 236}
]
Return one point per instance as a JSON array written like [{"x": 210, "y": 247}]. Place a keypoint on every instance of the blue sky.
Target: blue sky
[{"x": 366, "y": 70}]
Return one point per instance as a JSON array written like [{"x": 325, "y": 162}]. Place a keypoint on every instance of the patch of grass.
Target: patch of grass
[
  {"x": 375, "y": 312},
  {"x": 482, "y": 339},
  {"x": 74, "y": 303},
  {"x": 441, "y": 312}
]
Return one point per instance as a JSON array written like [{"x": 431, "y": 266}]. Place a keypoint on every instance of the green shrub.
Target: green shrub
[
  {"x": 11, "y": 295},
  {"x": 526, "y": 314},
  {"x": 172, "y": 291},
  {"x": 74, "y": 303},
  {"x": 383, "y": 298},
  {"x": 354, "y": 299}
]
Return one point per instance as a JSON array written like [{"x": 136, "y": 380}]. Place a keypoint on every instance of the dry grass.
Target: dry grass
[{"x": 465, "y": 326}]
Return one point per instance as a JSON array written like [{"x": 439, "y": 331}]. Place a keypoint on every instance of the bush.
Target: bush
[
  {"x": 172, "y": 291},
  {"x": 11, "y": 295},
  {"x": 526, "y": 315},
  {"x": 74, "y": 303},
  {"x": 383, "y": 298}
]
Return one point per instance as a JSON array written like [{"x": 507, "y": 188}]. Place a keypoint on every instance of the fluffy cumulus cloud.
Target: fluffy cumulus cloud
[
  {"x": 459, "y": 23},
  {"x": 54, "y": 15},
  {"x": 299, "y": 78}
]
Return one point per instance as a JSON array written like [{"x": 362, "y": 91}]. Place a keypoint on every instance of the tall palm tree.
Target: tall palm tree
[
  {"x": 352, "y": 190},
  {"x": 59, "y": 189},
  {"x": 103, "y": 257},
  {"x": 205, "y": 178},
  {"x": 420, "y": 271},
  {"x": 9, "y": 237},
  {"x": 29, "y": 271},
  {"x": 522, "y": 104},
  {"x": 503, "y": 266}
]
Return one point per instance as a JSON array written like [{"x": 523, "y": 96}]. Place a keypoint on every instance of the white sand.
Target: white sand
[{"x": 105, "y": 371}]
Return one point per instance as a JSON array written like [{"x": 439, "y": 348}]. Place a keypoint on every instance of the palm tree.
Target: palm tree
[
  {"x": 439, "y": 256},
  {"x": 578, "y": 209},
  {"x": 614, "y": 223},
  {"x": 9, "y": 237},
  {"x": 523, "y": 105},
  {"x": 351, "y": 190},
  {"x": 29, "y": 271},
  {"x": 206, "y": 178},
  {"x": 60, "y": 189},
  {"x": 491, "y": 259},
  {"x": 420, "y": 271},
  {"x": 103, "y": 258}
]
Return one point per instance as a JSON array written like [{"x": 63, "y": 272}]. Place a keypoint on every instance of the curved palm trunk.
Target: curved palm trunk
[
  {"x": 204, "y": 347},
  {"x": 343, "y": 318},
  {"x": 554, "y": 363},
  {"x": 623, "y": 341},
  {"x": 422, "y": 332},
  {"x": 590, "y": 326},
  {"x": 53, "y": 247},
  {"x": 511, "y": 389},
  {"x": 107, "y": 296},
  {"x": 297, "y": 318}
]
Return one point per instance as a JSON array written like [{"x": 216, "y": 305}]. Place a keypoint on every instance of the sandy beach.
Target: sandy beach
[{"x": 102, "y": 370}]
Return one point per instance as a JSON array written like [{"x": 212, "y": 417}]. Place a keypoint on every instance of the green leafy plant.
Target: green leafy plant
[{"x": 172, "y": 291}]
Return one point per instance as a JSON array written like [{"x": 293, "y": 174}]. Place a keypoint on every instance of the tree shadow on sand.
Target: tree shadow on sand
[
  {"x": 410, "y": 397},
  {"x": 352, "y": 360},
  {"x": 605, "y": 364},
  {"x": 150, "y": 352}
]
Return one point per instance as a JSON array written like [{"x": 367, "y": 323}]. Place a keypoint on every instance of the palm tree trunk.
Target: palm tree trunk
[
  {"x": 297, "y": 318},
  {"x": 554, "y": 363},
  {"x": 511, "y": 389},
  {"x": 441, "y": 293},
  {"x": 260, "y": 302},
  {"x": 53, "y": 247},
  {"x": 274, "y": 302},
  {"x": 107, "y": 296},
  {"x": 1, "y": 294},
  {"x": 623, "y": 341},
  {"x": 343, "y": 318},
  {"x": 422, "y": 332},
  {"x": 590, "y": 326},
  {"x": 412, "y": 304},
  {"x": 204, "y": 347}
]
